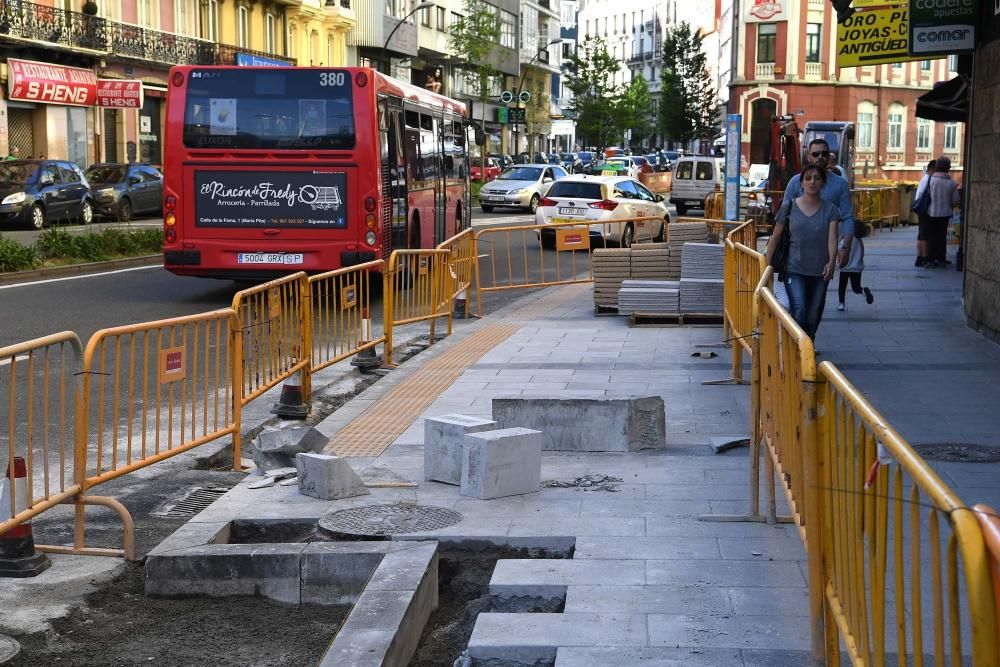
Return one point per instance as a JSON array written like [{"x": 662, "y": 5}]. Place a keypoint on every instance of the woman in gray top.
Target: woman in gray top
[{"x": 812, "y": 252}]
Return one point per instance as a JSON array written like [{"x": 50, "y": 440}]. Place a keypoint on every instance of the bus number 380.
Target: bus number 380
[{"x": 331, "y": 78}]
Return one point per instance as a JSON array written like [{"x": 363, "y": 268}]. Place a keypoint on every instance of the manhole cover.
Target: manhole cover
[
  {"x": 9, "y": 648},
  {"x": 194, "y": 501},
  {"x": 959, "y": 453},
  {"x": 379, "y": 520}
]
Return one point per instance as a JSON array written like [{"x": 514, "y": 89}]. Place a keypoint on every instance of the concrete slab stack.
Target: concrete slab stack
[
  {"x": 649, "y": 296},
  {"x": 651, "y": 261},
  {"x": 610, "y": 267},
  {"x": 702, "y": 260},
  {"x": 701, "y": 295},
  {"x": 679, "y": 233}
]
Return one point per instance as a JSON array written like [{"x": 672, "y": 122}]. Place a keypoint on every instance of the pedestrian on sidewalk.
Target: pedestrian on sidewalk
[
  {"x": 851, "y": 271},
  {"x": 944, "y": 198},
  {"x": 923, "y": 222},
  {"x": 812, "y": 225}
]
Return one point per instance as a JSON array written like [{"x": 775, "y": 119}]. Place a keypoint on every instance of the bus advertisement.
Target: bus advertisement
[{"x": 270, "y": 170}]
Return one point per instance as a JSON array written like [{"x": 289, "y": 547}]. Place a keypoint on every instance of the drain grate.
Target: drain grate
[
  {"x": 380, "y": 520},
  {"x": 959, "y": 453},
  {"x": 192, "y": 502}
]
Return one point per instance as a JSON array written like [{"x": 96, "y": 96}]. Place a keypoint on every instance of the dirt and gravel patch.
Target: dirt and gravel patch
[{"x": 119, "y": 627}]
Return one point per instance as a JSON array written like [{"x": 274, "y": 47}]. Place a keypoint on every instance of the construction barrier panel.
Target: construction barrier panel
[
  {"x": 903, "y": 564},
  {"x": 658, "y": 182},
  {"x": 462, "y": 258},
  {"x": 274, "y": 319},
  {"x": 41, "y": 377},
  {"x": 418, "y": 287},
  {"x": 342, "y": 322}
]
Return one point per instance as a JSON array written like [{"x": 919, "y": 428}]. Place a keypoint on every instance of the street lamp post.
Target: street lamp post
[
  {"x": 520, "y": 84},
  {"x": 385, "y": 46}
]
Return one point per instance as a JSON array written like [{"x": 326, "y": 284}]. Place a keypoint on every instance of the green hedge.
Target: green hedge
[{"x": 56, "y": 246}]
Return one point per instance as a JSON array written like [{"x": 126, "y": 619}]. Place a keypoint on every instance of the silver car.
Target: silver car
[{"x": 520, "y": 186}]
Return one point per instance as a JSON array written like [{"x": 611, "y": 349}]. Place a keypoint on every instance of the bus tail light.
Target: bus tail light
[
  {"x": 370, "y": 204},
  {"x": 170, "y": 220},
  {"x": 170, "y": 203},
  {"x": 370, "y": 237},
  {"x": 177, "y": 79},
  {"x": 370, "y": 221},
  {"x": 170, "y": 235},
  {"x": 361, "y": 79}
]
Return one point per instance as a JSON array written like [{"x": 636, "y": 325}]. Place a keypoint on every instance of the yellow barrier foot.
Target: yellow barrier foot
[{"x": 727, "y": 381}]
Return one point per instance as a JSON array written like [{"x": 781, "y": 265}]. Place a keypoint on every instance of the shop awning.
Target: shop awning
[{"x": 947, "y": 102}]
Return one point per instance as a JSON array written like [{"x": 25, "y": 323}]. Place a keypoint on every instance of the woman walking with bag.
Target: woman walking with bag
[
  {"x": 809, "y": 225},
  {"x": 944, "y": 198},
  {"x": 921, "y": 203}
]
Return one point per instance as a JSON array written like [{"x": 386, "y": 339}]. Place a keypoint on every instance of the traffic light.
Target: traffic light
[{"x": 844, "y": 9}]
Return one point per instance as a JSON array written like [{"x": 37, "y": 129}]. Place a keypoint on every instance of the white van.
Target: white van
[{"x": 694, "y": 178}]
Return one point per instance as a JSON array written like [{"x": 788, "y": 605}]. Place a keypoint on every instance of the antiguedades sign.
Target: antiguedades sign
[
  {"x": 943, "y": 27},
  {"x": 286, "y": 199}
]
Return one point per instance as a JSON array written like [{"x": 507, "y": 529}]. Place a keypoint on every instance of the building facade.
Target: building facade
[{"x": 786, "y": 63}]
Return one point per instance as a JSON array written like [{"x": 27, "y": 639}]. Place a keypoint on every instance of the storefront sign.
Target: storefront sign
[
  {"x": 30, "y": 81},
  {"x": 943, "y": 27},
  {"x": 734, "y": 122},
  {"x": 256, "y": 199},
  {"x": 766, "y": 11},
  {"x": 875, "y": 36},
  {"x": 248, "y": 60},
  {"x": 119, "y": 94}
]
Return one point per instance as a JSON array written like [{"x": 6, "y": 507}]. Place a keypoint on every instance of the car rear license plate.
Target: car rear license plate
[
  {"x": 270, "y": 258},
  {"x": 572, "y": 211}
]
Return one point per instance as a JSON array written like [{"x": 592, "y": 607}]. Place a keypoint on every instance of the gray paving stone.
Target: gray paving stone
[
  {"x": 770, "y": 601},
  {"x": 609, "y": 507},
  {"x": 578, "y": 656},
  {"x": 359, "y": 648},
  {"x": 524, "y": 577},
  {"x": 648, "y": 599},
  {"x": 579, "y": 527},
  {"x": 781, "y": 546},
  {"x": 770, "y": 632},
  {"x": 528, "y": 638},
  {"x": 724, "y": 573},
  {"x": 692, "y": 548}
]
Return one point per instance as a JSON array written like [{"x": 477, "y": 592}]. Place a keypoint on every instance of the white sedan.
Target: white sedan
[
  {"x": 609, "y": 205},
  {"x": 520, "y": 186}
]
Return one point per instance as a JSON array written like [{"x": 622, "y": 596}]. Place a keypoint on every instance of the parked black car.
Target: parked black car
[
  {"x": 123, "y": 190},
  {"x": 36, "y": 192}
]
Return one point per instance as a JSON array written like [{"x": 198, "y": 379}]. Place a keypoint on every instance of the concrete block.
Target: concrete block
[
  {"x": 332, "y": 574},
  {"x": 625, "y": 424},
  {"x": 443, "y": 438},
  {"x": 276, "y": 448},
  {"x": 506, "y": 462},
  {"x": 328, "y": 477}
]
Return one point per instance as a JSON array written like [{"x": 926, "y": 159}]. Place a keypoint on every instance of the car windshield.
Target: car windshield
[
  {"x": 576, "y": 190},
  {"x": 521, "y": 174},
  {"x": 567, "y": 156},
  {"x": 105, "y": 174},
  {"x": 18, "y": 173}
]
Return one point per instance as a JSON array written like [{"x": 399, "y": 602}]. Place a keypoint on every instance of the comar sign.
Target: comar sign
[{"x": 942, "y": 27}]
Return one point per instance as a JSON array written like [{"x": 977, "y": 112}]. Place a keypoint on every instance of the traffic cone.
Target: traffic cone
[
  {"x": 18, "y": 557},
  {"x": 366, "y": 359},
  {"x": 291, "y": 405}
]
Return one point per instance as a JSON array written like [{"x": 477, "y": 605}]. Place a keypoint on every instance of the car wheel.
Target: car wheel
[
  {"x": 533, "y": 204},
  {"x": 125, "y": 210},
  {"x": 486, "y": 208},
  {"x": 628, "y": 236},
  {"x": 682, "y": 209},
  {"x": 662, "y": 236},
  {"x": 38, "y": 217},
  {"x": 87, "y": 212}
]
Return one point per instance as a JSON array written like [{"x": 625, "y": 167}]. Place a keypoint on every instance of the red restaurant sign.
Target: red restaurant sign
[
  {"x": 119, "y": 93},
  {"x": 31, "y": 81}
]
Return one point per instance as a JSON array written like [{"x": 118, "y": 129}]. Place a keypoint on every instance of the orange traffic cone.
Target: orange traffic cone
[
  {"x": 18, "y": 557},
  {"x": 292, "y": 404}
]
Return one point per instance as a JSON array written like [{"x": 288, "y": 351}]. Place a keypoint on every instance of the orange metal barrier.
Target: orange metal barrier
[
  {"x": 462, "y": 247},
  {"x": 341, "y": 322},
  {"x": 418, "y": 287},
  {"x": 886, "y": 585},
  {"x": 42, "y": 379},
  {"x": 274, "y": 319},
  {"x": 989, "y": 521}
]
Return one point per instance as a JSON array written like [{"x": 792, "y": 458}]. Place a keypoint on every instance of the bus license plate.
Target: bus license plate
[
  {"x": 270, "y": 258},
  {"x": 572, "y": 211}
]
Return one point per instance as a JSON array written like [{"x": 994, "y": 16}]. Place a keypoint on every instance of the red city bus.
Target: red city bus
[{"x": 269, "y": 170}]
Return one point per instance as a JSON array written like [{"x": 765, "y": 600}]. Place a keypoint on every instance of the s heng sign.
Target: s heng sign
[
  {"x": 119, "y": 93},
  {"x": 31, "y": 81}
]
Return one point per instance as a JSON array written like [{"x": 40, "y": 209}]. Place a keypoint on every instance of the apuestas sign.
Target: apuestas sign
[
  {"x": 30, "y": 81},
  {"x": 943, "y": 27},
  {"x": 874, "y": 36},
  {"x": 119, "y": 93}
]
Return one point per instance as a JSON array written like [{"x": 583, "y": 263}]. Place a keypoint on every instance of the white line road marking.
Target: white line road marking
[{"x": 85, "y": 275}]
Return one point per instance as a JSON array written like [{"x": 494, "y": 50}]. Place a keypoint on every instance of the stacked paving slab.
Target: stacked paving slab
[
  {"x": 679, "y": 233},
  {"x": 649, "y": 296},
  {"x": 701, "y": 287},
  {"x": 610, "y": 267},
  {"x": 651, "y": 261}
]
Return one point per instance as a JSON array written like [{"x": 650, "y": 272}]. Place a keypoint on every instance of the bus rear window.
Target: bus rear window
[{"x": 269, "y": 109}]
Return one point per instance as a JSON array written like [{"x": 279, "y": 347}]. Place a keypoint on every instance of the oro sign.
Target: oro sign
[
  {"x": 942, "y": 27},
  {"x": 874, "y": 36}
]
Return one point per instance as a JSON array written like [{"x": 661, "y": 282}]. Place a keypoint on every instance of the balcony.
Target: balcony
[
  {"x": 764, "y": 72},
  {"x": 644, "y": 56},
  {"x": 73, "y": 30},
  {"x": 814, "y": 71}
]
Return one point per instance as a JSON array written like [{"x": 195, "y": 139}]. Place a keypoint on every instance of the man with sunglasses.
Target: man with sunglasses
[{"x": 836, "y": 191}]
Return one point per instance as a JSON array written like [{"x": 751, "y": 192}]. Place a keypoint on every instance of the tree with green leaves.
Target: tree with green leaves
[
  {"x": 688, "y": 108},
  {"x": 635, "y": 110},
  {"x": 590, "y": 77},
  {"x": 472, "y": 38}
]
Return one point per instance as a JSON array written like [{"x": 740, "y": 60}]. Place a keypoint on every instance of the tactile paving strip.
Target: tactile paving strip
[{"x": 372, "y": 432}]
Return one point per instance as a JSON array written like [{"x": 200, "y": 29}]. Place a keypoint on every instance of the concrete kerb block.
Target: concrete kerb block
[
  {"x": 277, "y": 447},
  {"x": 443, "y": 440},
  {"x": 505, "y": 462},
  {"x": 625, "y": 424},
  {"x": 328, "y": 477}
]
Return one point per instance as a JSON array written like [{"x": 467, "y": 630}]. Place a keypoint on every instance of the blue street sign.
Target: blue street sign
[
  {"x": 734, "y": 123},
  {"x": 249, "y": 60}
]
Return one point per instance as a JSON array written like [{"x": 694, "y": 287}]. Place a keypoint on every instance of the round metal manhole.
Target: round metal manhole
[
  {"x": 384, "y": 520},
  {"x": 9, "y": 648},
  {"x": 957, "y": 453}
]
